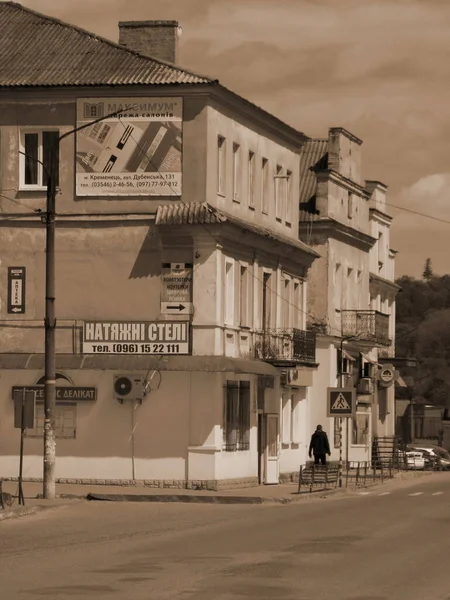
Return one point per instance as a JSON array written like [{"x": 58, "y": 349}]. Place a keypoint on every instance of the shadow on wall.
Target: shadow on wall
[{"x": 148, "y": 261}]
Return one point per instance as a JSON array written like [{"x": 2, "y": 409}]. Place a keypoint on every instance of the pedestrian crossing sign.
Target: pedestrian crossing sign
[{"x": 341, "y": 402}]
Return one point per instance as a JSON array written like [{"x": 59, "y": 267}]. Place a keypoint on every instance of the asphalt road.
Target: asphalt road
[{"x": 357, "y": 547}]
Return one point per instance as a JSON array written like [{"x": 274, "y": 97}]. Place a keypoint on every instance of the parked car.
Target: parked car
[
  {"x": 414, "y": 459},
  {"x": 435, "y": 456}
]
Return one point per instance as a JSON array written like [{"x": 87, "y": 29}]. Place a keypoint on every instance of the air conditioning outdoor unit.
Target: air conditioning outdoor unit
[
  {"x": 365, "y": 386},
  {"x": 129, "y": 386}
]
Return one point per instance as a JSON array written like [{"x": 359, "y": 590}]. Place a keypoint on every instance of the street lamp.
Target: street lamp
[{"x": 49, "y": 482}]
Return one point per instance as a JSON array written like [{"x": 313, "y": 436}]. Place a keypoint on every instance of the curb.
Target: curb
[
  {"x": 185, "y": 499},
  {"x": 24, "y": 511}
]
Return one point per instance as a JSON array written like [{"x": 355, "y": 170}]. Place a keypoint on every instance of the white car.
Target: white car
[{"x": 414, "y": 460}]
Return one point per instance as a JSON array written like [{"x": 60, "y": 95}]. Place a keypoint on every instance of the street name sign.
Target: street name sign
[
  {"x": 176, "y": 295},
  {"x": 341, "y": 402}
]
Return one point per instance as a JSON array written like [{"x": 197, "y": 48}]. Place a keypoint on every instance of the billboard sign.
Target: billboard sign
[
  {"x": 63, "y": 393},
  {"x": 137, "y": 152},
  {"x": 155, "y": 337}
]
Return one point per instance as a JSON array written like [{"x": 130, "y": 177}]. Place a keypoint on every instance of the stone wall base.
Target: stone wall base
[
  {"x": 180, "y": 484},
  {"x": 289, "y": 477}
]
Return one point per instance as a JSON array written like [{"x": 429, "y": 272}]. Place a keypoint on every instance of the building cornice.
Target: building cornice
[
  {"x": 382, "y": 283},
  {"x": 345, "y": 182},
  {"x": 380, "y": 215},
  {"x": 331, "y": 228}
]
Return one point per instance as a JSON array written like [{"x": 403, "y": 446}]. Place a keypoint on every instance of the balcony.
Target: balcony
[
  {"x": 286, "y": 347},
  {"x": 366, "y": 325}
]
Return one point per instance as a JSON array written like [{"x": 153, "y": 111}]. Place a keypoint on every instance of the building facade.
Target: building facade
[
  {"x": 183, "y": 354},
  {"x": 351, "y": 293}
]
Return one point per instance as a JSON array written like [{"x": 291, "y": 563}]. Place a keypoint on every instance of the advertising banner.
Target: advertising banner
[
  {"x": 156, "y": 337},
  {"x": 137, "y": 152}
]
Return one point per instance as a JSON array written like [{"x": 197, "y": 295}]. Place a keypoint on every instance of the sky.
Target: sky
[{"x": 380, "y": 69}]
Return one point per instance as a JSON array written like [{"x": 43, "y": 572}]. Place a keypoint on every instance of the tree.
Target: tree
[{"x": 428, "y": 271}]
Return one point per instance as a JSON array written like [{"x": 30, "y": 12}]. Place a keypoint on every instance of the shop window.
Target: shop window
[
  {"x": 236, "y": 418},
  {"x": 65, "y": 421}
]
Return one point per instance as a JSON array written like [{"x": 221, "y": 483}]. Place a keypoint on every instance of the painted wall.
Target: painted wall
[{"x": 295, "y": 433}]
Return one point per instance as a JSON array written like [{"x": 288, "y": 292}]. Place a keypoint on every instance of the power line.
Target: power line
[{"x": 420, "y": 214}]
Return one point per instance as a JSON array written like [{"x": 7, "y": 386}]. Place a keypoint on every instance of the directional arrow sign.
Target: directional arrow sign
[
  {"x": 177, "y": 308},
  {"x": 16, "y": 290},
  {"x": 341, "y": 402}
]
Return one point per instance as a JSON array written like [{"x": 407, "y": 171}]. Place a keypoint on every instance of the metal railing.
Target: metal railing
[
  {"x": 367, "y": 325},
  {"x": 278, "y": 345}
]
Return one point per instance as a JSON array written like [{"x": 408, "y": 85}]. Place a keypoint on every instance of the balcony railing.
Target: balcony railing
[
  {"x": 286, "y": 346},
  {"x": 366, "y": 325}
]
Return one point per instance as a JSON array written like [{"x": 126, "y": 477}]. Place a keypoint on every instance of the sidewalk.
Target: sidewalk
[{"x": 262, "y": 494}]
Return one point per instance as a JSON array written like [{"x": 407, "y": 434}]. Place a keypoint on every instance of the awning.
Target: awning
[
  {"x": 368, "y": 359},
  {"x": 348, "y": 356},
  {"x": 103, "y": 362}
]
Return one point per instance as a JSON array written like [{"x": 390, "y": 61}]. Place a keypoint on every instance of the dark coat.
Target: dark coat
[{"x": 319, "y": 443}]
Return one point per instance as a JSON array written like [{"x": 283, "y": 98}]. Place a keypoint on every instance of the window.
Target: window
[
  {"x": 286, "y": 306},
  {"x": 221, "y": 164},
  {"x": 229, "y": 293},
  {"x": 65, "y": 421},
  {"x": 288, "y": 198},
  {"x": 278, "y": 193},
  {"x": 236, "y": 172},
  {"x": 265, "y": 186},
  {"x": 251, "y": 179},
  {"x": 286, "y": 419},
  {"x": 297, "y": 309},
  {"x": 350, "y": 205},
  {"x": 244, "y": 297},
  {"x": 266, "y": 302},
  {"x": 360, "y": 432},
  {"x": 236, "y": 418},
  {"x": 295, "y": 419},
  {"x": 38, "y": 149}
]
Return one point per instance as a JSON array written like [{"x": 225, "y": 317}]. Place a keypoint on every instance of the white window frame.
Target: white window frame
[
  {"x": 41, "y": 175},
  {"x": 297, "y": 301},
  {"x": 236, "y": 172},
  {"x": 230, "y": 292},
  {"x": 367, "y": 415},
  {"x": 251, "y": 179},
  {"x": 286, "y": 312},
  {"x": 296, "y": 436},
  {"x": 221, "y": 164},
  {"x": 288, "y": 198},
  {"x": 244, "y": 296},
  {"x": 286, "y": 423},
  {"x": 63, "y": 412},
  {"x": 265, "y": 185}
]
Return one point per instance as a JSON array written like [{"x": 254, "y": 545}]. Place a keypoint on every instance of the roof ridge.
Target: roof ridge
[{"x": 19, "y": 6}]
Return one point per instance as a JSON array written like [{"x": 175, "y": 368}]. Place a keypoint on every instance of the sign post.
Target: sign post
[
  {"x": 341, "y": 404},
  {"x": 24, "y": 409}
]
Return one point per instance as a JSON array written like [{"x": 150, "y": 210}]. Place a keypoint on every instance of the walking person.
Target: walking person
[{"x": 319, "y": 446}]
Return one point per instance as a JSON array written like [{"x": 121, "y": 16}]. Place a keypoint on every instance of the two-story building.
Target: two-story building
[
  {"x": 351, "y": 291},
  {"x": 183, "y": 356}
]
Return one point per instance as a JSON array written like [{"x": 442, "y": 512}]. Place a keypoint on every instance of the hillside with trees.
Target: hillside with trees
[{"x": 423, "y": 332}]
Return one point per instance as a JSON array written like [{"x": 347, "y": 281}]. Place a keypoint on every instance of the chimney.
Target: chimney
[{"x": 156, "y": 39}]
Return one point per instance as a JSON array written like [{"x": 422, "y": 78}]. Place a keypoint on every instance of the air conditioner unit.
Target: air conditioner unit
[
  {"x": 129, "y": 386},
  {"x": 365, "y": 386}
]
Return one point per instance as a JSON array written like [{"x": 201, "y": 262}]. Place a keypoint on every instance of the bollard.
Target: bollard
[
  {"x": 300, "y": 479},
  {"x": 357, "y": 474}
]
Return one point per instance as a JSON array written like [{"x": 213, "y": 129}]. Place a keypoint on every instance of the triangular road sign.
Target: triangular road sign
[{"x": 341, "y": 403}]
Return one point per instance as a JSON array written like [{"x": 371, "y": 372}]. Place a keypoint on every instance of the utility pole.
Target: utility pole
[{"x": 49, "y": 481}]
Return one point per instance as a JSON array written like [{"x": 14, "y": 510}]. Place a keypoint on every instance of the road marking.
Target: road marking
[
  {"x": 384, "y": 494},
  {"x": 437, "y": 493},
  {"x": 364, "y": 493},
  {"x": 416, "y": 494}
]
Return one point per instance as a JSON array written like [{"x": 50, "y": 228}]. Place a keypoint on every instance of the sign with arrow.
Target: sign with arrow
[
  {"x": 176, "y": 295},
  {"x": 341, "y": 402},
  {"x": 16, "y": 290}
]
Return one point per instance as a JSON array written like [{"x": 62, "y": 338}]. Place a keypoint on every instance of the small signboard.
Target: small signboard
[
  {"x": 135, "y": 337},
  {"x": 24, "y": 402},
  {"x": 63, "y": 393},
  {"x": 16, "y": 290},
  {"x": 176, "y": 295},
  {"x": 341, "y": 402}
]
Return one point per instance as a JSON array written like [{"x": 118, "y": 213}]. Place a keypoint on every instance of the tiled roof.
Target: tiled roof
[
  {"x": 36, "y": 50},
  {"x": 181, "y": 213},
  {"x": 193, "y": 213},
  {"x": 314, "y": 154}
]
